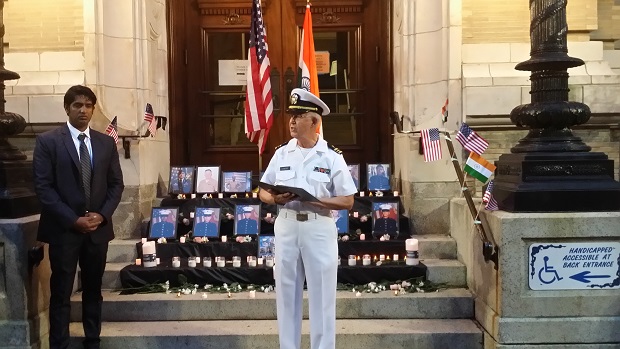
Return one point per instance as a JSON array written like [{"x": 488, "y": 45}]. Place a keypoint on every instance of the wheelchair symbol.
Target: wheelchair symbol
[{"x": 547, "y": 269}]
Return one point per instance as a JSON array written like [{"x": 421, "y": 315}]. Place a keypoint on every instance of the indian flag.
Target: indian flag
[
  {"x": 477, "y": 167},
  {"x": 308, "y": 76}
]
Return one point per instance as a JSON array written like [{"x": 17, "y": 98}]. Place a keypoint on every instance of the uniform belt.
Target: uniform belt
[{"x": 299, "y": 216}]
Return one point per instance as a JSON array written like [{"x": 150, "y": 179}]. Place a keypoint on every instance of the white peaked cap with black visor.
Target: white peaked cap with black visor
[{"x": 302, "y": 101}]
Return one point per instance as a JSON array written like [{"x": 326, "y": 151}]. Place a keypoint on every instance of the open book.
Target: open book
[{"x": 301, "y": 193}]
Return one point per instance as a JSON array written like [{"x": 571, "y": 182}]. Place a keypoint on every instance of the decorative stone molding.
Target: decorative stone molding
[
  {"x": 327, "y": 6},
  {"x": 221, "y": 7},
  {"x": 233, "y": 19},
  {"x": 329, "y": 17}
]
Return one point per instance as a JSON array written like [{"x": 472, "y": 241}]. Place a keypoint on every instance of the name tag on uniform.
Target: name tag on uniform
[
  {"x": 322, "y": 170},
  {"x": 285, "y": 168}
]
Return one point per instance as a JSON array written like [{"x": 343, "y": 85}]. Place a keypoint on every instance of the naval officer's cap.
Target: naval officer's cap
[{"x": 302, "y": 101}]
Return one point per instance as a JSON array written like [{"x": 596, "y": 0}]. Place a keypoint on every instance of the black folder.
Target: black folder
[{"x": 301, "y": 193}]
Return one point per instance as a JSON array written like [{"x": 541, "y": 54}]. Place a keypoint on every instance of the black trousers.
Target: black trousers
[{"x": 64, "y": 259}]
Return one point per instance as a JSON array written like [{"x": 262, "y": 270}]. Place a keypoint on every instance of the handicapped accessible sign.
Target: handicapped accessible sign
[{"x": 574, "y": 266}]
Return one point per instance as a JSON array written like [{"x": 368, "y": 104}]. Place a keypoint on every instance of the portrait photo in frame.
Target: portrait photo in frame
[
  {"x": 378, "y": 177},
  {"x": 385, "y": 219},
  {"x": 181, "y": 179},
  {"x": 207, "y": 179},
  {"x": 266, "y": 246},
  {"x": 163, "y": 223},
  {"x": 237, "y": 182},
  {"x": 247, "y": 219},
  {"x": 354, "y": 169},
  {"x": 207, "y": 222},
  {"x": 341, "y": 218}
]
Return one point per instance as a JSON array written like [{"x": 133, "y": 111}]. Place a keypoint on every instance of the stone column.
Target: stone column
[{"x": 427, "y": 71}]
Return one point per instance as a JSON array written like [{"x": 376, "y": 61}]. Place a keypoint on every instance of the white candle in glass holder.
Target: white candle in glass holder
[
  {"x": 191, "y": 262},
  {"x": 395, "y": 257},
  {"x": 236, "y": 261},
  {"x": 259, "y": 261},
  {"x": 269, "y": 261},
  {"x": 366, "y": 259},
  {"x": 220, "y": 195},
  {"x": 362, "y": 237},
  {"x": 192, "y": 215},
  {"x": 143, "y": 240},
  {"x": 176, "y": 262},
  {"x": 182, "y": 239},
  {"x": 352, "y": 261},
  {"x": 193, "y": 196},
  {"x": 224, "y": 238},
  {"x": 252, "y": 261},
  {"x": 268, "y": 215},
  {"x": 206, "y": 262},
  {"x": 157, "y": 261},
  {"x": 362, "y": 194},
  {"x": 395, "y": 192},
  {"x": 356, "y": 214},
  {"x": 253, "y": 294},
  {"x": 138, "y": 261},
  {"x": 220, "y": 261},
  {"x": 411, "y": 246},
  {"x": 255, "y": 195},
  {"x": 381, "y": 257}
]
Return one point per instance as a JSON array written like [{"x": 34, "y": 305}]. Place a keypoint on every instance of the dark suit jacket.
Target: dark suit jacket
[{"x": 58, "y": 185}]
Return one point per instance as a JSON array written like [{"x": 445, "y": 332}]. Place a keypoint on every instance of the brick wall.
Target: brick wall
[
  {"x": 608, "y": 23},
  {"x": 44, "y": 25},
  {"x": 508, "y": 20}
]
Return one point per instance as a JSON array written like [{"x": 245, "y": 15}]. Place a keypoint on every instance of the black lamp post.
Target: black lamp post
[
  {"x": 551, "y": 169},
  {"x": 17, "y": 198}
]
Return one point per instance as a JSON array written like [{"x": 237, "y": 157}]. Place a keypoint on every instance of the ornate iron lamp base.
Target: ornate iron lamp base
[{"x": 17, "y": 198}]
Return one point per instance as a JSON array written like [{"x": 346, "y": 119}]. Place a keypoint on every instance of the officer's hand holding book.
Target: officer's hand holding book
[{"x": 282, "y": 198}]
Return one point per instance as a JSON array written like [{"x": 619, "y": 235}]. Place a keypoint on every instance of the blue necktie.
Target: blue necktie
[{"x": 85, "y": 168}]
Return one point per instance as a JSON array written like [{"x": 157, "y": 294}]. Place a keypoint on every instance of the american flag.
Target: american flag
[
  {"x": 149, "y": 117},
  {"x": 112, "y": 131},
  {"x": 258, "y": 101},
  {"x": 431, "y": 144},
  {"x": 470, "y": 140},
  {"x": 488, "y": 199}
]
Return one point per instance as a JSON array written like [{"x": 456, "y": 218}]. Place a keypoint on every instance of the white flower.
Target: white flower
[
  {"x": 353, "y": 290},
  {"x": 345, "y": 238},
  {"x": 186, "y": 291},
  {"x": 364, "y": 218},
  {"x": 195, "y": 285},
  {"x": 418, "y": 289},
  {"x": 379, "y": 263},
  {"x": 421, "y": 283},
  {"x": 194, "y": 291},
  {"x": 406, "y": 284},
  {"x": 382, "y": 239},
  {"x": 372, "y": 284},
  {"x": 225, "y": 285},
  {"x": 386, "y": 237},
  {"x": 378, "y": 193},
  {"x": 250, "y": 287},
  {"x": 207, "y": 286},
  {"x": 358, "y": 294}
]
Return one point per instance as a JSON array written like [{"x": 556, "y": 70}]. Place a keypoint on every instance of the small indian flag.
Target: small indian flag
[{"x": 477, "y": 167}]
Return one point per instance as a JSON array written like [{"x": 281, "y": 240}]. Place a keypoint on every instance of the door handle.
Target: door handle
[
  {"x": 289, "y": 79},
  {"x": 275, "y": 89}
]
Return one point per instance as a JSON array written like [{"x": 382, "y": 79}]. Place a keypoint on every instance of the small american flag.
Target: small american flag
[
  {"x": 149, "y": 117},
  {"x": 488, "y": 199},
  {"x": 470, "y": 140},
  {"x": 431, "y": 144},
  {"x": 112, "y": 131},
  {"x": 258, "y": 99}
]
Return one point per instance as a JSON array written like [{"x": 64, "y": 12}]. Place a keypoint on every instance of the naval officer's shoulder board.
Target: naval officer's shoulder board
[
  {"x": 338, "y": 151},
  {"x": 281, "y": 145}
]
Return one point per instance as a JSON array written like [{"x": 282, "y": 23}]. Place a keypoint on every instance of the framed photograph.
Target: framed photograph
[
  {"x": 341, "y": 218},
  {"x": 266, "y": 246},
  {"x": 181, "y": 179},
  {"x": 163, "y": 223},
  {"x": 378, "y": 177},
  {"x": 207, "y": 179},
  {"x": 237, "y": 182},
  {"x": 354, "y": 169},
  {"x": 207, "y": 222},
  {"x": 247, "y": 219},
  {"x": 385, "y": 219}
]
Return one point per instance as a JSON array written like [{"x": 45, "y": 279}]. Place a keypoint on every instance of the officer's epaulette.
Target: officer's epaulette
[
  {"x": 334, "y": 149},
  {"x": 281, "y": 145}
]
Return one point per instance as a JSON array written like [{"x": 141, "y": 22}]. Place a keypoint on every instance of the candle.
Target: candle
[
  {"x": 356, "y": 214},
  {"x": 224, "y": 238},
  {"x": 395, "y": 192},
  {"x": 259, "y": 260},
  {"x": 268, "y": 215},
  {"x": 252, "y": 261},
  {"x": 366, "y": 259},
  {"x": 220, "y": 261},
  {"x": 255, "y": 195},
  {"x": 148, "y": 254},
  {"x": 362, "y": 194},
  {"x": 182, "y": 239},
  {"x": 191, "y": 262},
  {"x": 236, "y": 261},
  {"x": 220, "y": 196},
  {"x": 143, "y": 240},
  {"x": 253, "y": 294},
  {"x": 352, "y": 261},
  {"x": 157, "y": 260},
  {"x": 381, "y": 257},
  {"x": 206, "y": 262},
  {"x": 269, "y": 261},
  {"x": 138, "y": 261},
  {"x": 395, "y": 257},
  {"x": 193, "y": 196},
  {"x": 176, "y": 262},
  {"x": 362, "y": 237},
  {"x": 411, "y": 246},
  {"x": 191, "y": 214},
  {"x": 374, "y": 258}
]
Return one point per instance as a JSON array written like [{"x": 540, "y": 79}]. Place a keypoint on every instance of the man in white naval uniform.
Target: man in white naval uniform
[{"x": 306, "y": 237}]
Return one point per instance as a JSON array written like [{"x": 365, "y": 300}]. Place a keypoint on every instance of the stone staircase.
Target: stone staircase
[{"x": 439, "y": 320}]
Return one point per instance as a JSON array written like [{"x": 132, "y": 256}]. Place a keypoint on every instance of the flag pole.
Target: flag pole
[{"x": 481, "y": 225}]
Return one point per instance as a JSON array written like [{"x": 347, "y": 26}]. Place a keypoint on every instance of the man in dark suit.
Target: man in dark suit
[
  {"x": 78, "y": 180},
  {"x": 379, "y": 181}
]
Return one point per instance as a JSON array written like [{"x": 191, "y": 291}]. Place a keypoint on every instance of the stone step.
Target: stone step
[
  {"x": 447, "y": 271},
  {"x": 263, "y": 334},
  {"x": 431, "y": 246},
  {"x": 444, "y": 304}
]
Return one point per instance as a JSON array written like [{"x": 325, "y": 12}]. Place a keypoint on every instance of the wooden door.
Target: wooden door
[{"x": 207, "y": 115}]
